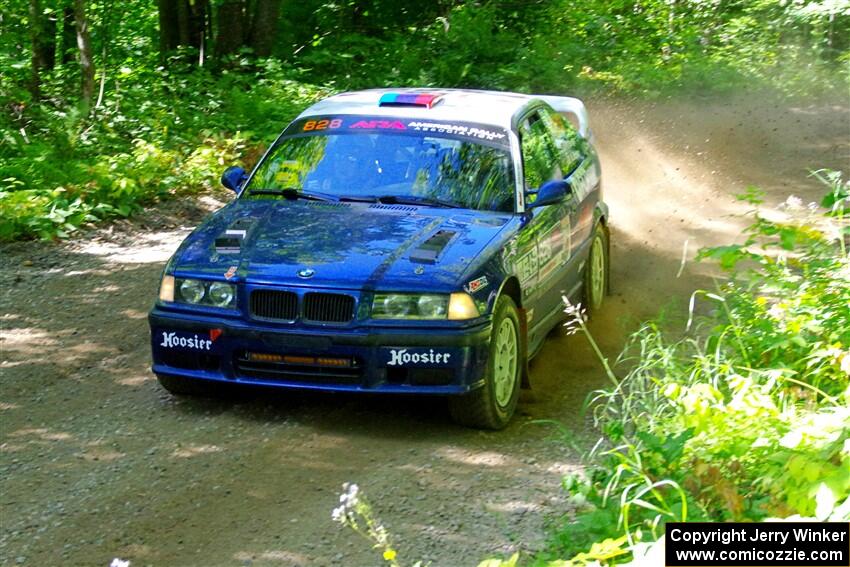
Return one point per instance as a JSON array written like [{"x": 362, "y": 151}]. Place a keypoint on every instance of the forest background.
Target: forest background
[{"x": 109, "y": 106}]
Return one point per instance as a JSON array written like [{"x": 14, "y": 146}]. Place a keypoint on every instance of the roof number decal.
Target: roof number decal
[
  {"x": 323, "y": 124},
  {"x": 365, "y": 124}
]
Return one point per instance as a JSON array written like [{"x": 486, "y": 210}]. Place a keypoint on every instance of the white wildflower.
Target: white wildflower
[
  {"x": 833, "y": 232},
  {"x": 577, "y": 316},
  {"x": 793, "y": 203},
  {"x": 348, "y": 502},
  {"x": 776, "y": 312},
  {"x": 354, "y": 512},
  {"x": 380, "y": 534},
  {"x": 349, "y": 497},
  {"x": 119, "y": 563}
]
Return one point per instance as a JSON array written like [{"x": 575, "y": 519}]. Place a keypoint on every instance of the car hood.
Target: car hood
[{"x": 339, "y": 245}]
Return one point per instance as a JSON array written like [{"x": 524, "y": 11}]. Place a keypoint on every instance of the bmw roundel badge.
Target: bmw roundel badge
[{"x": 306, "y": 273}]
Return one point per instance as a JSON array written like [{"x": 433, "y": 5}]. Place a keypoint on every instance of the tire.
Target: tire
[
  {"x": 596, "y": 271},
  {"x": 187, "y": 387},
  {"x": 493, "y": 405}
]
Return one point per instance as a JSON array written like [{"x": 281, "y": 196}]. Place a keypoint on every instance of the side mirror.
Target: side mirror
[
  {"x": 233, "y": 178},
  {"x": 550, "y": 193}
]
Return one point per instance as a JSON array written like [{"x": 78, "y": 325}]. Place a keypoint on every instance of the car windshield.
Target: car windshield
[{"x": 389, "y": 162}]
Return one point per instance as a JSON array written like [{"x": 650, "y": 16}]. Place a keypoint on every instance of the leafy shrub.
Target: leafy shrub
[
  {"x": 584, "y": 45},
  {"x": 167, "y": 133},
  {"x": 748, "y": 415}
]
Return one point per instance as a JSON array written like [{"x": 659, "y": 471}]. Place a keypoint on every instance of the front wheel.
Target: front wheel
[
  {"x": 596, "y": 272},
  {"x": 493, "y": 405}
]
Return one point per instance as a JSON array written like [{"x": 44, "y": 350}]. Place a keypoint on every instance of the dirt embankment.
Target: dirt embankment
[{"x": 96, "y": 461}]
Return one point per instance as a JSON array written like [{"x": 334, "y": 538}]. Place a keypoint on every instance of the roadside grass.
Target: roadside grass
[{"x": 744, "y": 417}]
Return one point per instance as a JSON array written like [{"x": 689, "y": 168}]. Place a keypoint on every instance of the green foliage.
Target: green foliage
[
  {"x": 162, "y": 134},
  {"x": 650, "y": 47},
  {"x": 163, "y": 118},
  {"x": 746, "y": 417}
]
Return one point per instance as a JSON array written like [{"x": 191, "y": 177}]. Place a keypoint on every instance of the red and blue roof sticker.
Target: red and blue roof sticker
[{"x": 426, "y": 100}]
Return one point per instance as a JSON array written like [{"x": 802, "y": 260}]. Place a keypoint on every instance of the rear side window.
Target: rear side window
[
  {"x": 569, "y": 145},
  {"x": 539, "y": 153}
]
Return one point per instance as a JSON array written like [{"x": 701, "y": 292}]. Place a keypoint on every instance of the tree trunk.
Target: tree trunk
[
  {"x": 169, "y": 29},
  {"x": 231, "y": 27},
  {"x": 190, "y": 20},
  {"x": 35, "y": 62},
  {"x": 182, "y": 23},
  {"x": 69, "y": 34},
  {"x": 47, "y": 42},
  {"x": 42, "y": 44},
  {"x": 105, "y": 42},
  {"x": 198, "y": 22},
  {"x": 86, "y": 59},
  {"x": 264, "y": 30}
]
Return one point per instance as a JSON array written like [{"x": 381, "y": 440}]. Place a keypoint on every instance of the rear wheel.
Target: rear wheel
[
  {"x": 596, "y": 272},
  {"x": 493, "y": 405}
]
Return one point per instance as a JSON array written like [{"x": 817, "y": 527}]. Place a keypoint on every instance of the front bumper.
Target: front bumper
[{"x": 364, "y": 359}]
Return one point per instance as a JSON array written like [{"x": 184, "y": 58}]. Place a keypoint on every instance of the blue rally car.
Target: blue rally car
[{"x": 393, "y": 241}]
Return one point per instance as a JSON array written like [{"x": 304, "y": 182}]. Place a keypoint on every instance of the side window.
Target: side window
[
  {"x": 539, "y": 155},
  {"x": 570, "y": 146}
]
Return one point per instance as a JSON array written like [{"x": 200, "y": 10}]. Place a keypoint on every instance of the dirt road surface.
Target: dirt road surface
[{"x": 97, "y": 462}]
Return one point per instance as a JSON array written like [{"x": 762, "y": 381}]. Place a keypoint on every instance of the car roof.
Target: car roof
[{"x": 493, "y": 108}]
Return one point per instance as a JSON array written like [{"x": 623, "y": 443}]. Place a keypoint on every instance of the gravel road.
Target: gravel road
[{"x": 97, "y": 462}]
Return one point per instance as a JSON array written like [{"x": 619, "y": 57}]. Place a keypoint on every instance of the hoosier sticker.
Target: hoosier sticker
[
  {"x": 419, "y": 356},
  {"x": 188, "y": 341}
]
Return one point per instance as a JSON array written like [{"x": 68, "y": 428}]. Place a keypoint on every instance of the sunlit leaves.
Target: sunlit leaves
[
  {"x": 160, "y": 135},
  {"x": 749, "y": 414}
]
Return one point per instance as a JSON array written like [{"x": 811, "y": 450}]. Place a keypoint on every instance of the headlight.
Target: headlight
[
  {"x": 409, "y": 306},
  {"x": 432, "y": 306},
  {"x": 220, "y": 294},
  {"x": 192, "y": 291},
  {"x": 166, "y": 288},
  {"x": 394, "y": 306},
  {"x": 461, "y": 306},
  {"x": 197, "y": 292},
  {"x": 455, "y": 307}
]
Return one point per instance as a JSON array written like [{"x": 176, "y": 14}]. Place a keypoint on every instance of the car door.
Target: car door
[
  {"x": 550, "y": 225},
  {"x": 579, "y": 164}
]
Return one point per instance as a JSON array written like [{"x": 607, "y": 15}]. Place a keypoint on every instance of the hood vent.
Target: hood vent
[
  {"x": 327, "y": 204},
  {"x": 231, "y": 241},
  {"x": 430, "y": 250},
  {"x": 405, "y": 208}
]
